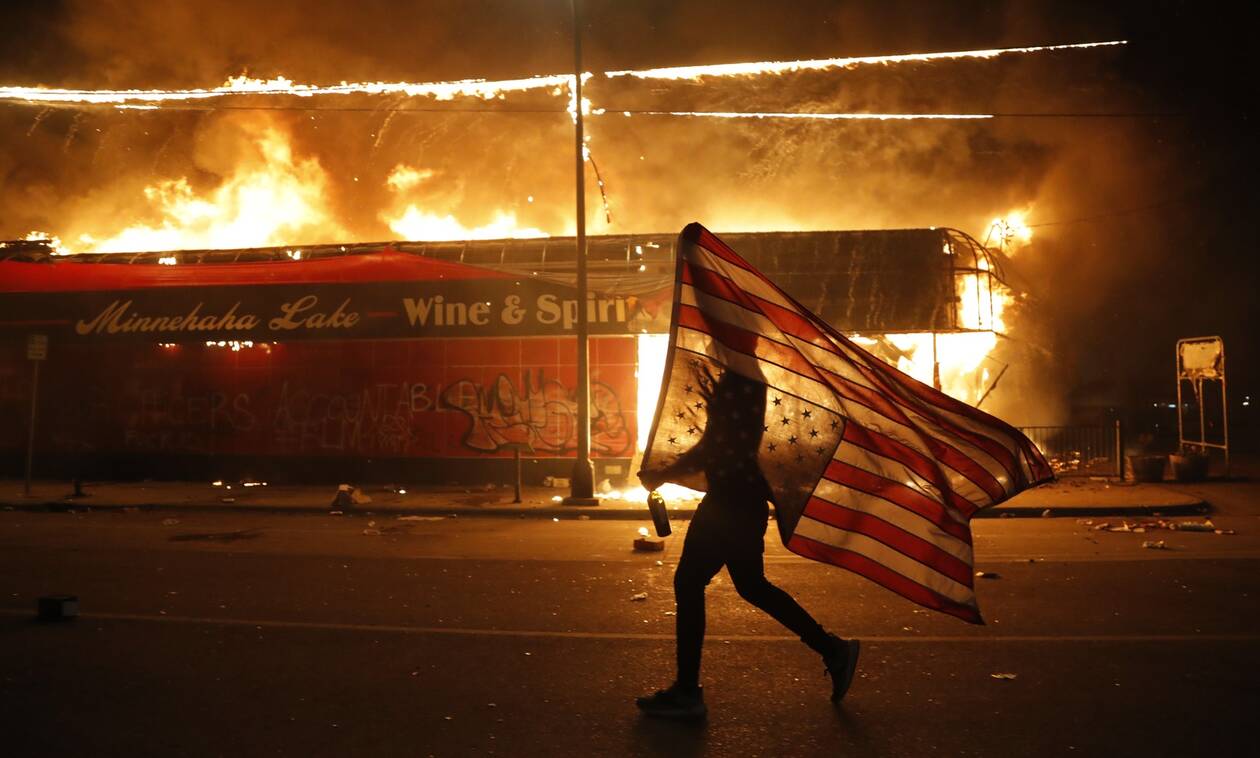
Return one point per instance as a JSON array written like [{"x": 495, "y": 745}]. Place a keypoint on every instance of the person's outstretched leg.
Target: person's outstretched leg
[
  {"x": 748, "y": 574},
  {"x": 839, "y": 655}
]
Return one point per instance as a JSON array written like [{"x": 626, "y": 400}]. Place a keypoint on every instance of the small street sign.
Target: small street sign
[{"x": 37, "y": 347}]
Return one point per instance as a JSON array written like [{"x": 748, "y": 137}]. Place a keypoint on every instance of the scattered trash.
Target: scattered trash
[
  {"x": 421, "y": 518},
  {"x": 227, "y": 500},
  {"x": 583, "y": 517},
  {"x": 57, "y": 607},
  {"x": 372, "y": 532},
  {"x": 342, "y": 500},
  {"x": 988, "y": 575},
  {"x": 671, "y": 613},
  {"x": 1195, "y": 526},
  {"x": 555, "y": 519},
  {"x": 359, "y": 497},
  {"x": 170, "y": 521},
  {"x": 1101, "y": 526},
  {"x": 1226, "y": 531},
  {"x": 555, "y": 481},
  {"x": 1154, "y": 545},
  {"x": 217, "y": 483},
  {"x": 335, "y": 513},
  {"x": 1045, "y": 513},
  {"x": 640, "y": 596},
  {"x": 1124, "y": 527},
  {"x": 1004, "y": 676},
  {"x": 557, "y": 499}
]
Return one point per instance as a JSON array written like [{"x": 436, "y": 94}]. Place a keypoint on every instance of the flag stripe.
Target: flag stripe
[
  {"x": 882, "y": 575},
  {"x": 897, "y": 493},
  {"x": 937, "y": 449},
  {"x": 1001, "y": 456},
  {"x": 908, "y": 544},
  {"x": 893, "y": 559},
  {"x": 860, "y": 437},
  {"x": 786, "y": 319},
  {"x": 923, "y": 528}
]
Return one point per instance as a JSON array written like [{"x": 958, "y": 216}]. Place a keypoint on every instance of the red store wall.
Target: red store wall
[{"x": 323, "y": 402}]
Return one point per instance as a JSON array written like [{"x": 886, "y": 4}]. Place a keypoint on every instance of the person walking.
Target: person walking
[{"x": 728, "y": 529}]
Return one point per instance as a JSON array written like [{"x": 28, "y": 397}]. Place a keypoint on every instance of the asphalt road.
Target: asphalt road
[{"x": 244, "y": 634}]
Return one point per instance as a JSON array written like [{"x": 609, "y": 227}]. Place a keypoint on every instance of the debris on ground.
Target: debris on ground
[
  {"x": 227, "y": 500},
  {"x": 1195, "y": 526},
  {"x": 583, "y": 517},
  {"x": 1154, "y": 545},
  {"x": 1003, "y": 675},
  {"x": 988, "y": 575},
  {"x": 638, "y": 597},
  {"x": 1141, "y": 527},
  {"x": 556, "y": 481},
  {"x": 646, "y": 544},
  {"x": 370, "y": 532},
  {"x": 170, "y": 521},
  {"x": 1046, "y": 513},
  {"x": 421, "y": 518}
]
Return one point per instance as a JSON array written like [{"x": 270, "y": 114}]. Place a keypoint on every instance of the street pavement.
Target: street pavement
[
  {"x": 290, "y": 633},
  {"x": 1067, "y": 496}
]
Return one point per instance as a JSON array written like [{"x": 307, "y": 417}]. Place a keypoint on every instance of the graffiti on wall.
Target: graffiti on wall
[
  {"x": 377, "y": 419},
  {"x": 541, "y": 416}
]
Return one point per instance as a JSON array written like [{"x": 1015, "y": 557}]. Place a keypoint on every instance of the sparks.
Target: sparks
[
  {"x": 825, "y": 116},
  {"x": 823, "y": 64}
]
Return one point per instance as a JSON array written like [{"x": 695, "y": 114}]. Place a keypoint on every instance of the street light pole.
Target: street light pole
[{"x": 582, "y": 484}]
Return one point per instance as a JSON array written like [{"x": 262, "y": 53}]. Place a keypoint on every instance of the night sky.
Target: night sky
[{"x": 1148, "y": 212}]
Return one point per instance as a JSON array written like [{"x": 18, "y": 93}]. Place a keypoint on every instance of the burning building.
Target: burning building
[{"x": 412, "y": 361}]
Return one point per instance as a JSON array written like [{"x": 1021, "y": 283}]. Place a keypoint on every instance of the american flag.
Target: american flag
[{"x": 870, "y": 469}]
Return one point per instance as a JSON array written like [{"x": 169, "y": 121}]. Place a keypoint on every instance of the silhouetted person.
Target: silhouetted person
[{"x": 729, "y": 529}]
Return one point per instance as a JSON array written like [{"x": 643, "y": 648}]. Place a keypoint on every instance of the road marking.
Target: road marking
[{"x": 464, "y": 631}]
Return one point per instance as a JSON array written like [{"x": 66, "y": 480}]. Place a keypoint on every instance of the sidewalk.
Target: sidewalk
[{"x": 1063, "y": 498}]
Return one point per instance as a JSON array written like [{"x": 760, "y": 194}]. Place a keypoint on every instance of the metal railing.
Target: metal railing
[{"x": 1080, "y": 450}]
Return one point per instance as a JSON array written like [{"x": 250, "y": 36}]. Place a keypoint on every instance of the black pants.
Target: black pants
[{"x": 703, "y": 556}]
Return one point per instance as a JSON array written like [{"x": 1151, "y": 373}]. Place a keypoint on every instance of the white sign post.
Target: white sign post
[{"x": 36, "y": 353}]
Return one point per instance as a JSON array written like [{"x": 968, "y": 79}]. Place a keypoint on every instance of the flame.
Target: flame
[
  {"x": 272, "y": 198},
  {"x": 417, "y": 224},
  {"x": 412, "y": 222},
  {"x": 52, "y": 240},
  {"x": 497, "y": 90},
  {"x": 1010, "y": 232}
]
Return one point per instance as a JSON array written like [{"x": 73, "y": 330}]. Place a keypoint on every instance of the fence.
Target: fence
[{"x": 1080, "y": 450}]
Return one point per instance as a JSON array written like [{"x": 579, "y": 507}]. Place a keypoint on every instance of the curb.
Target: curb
[{"x": 603, "y": 513}]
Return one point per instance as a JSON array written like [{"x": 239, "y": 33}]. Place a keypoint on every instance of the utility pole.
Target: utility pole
[{"x": 582, "y": 485}]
